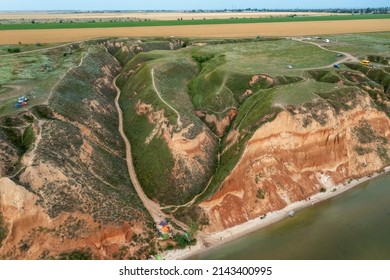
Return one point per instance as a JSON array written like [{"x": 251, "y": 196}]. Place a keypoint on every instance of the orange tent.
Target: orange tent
[{"x": 165, "y": 229}]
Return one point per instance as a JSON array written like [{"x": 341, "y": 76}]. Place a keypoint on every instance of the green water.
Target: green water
[{"x": 353, "y": 225}]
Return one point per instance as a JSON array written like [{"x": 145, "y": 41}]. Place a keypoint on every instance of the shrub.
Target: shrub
[
  {"x": 76, "y": 255},
  {"x": 260, "y": 193},
  {"x": 13, "y": 50},
  {"x": 365, "y": 133},
  {"x": 202, "y": 58},
  {"x": 3, "y": 230}
]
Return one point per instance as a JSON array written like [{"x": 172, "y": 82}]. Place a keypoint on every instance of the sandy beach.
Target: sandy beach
[{"x": 208, "y": 241}]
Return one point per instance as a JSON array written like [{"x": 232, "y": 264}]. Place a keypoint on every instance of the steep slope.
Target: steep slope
[
  {"x": 220, "y": 131},
  {"x": 287, "y": 161},
  {"x": 73, "y": 191},
  {"x": 174, "y": 152}
]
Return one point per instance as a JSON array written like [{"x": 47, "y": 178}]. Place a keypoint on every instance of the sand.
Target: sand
[
  {"x": 197, "y": 31},
  {"x": 208, "y": 241}
]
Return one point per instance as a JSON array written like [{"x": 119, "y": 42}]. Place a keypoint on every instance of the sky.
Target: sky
[{"x": 184, "y": 4}]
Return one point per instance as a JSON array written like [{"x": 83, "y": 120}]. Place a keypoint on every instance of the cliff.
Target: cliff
[{"x": 287, "y": 160}]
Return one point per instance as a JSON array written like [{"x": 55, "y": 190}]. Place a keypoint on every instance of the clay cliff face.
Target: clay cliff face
[
  {"x": 70, "y": 190},
  {"x": 288, "y": 160}
]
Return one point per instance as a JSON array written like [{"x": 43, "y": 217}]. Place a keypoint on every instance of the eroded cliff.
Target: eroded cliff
[{"x": 288, "y": 160}]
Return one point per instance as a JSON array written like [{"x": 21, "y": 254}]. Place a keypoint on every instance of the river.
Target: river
[{"x": 353, "y": 225}]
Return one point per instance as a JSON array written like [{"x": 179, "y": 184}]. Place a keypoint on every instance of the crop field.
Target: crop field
[
  {"x": 151, "y": 23},
  {"x": 225, "y": 30},
  {"x": 16, "y": 16}
]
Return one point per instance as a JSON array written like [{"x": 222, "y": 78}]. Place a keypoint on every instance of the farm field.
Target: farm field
[
  {"x": 16, "y": 16},
  {"x": 140, "y": 23},
  {"x": 199, "y": 31}
]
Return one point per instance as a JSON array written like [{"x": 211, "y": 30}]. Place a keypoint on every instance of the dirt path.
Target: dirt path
[
  {"x": 179, "y": 123},
  {"x": 43, "y": 49},
  {"x": 62, "y": 77},
  {"x": 28, "y": 158},
  {"x": 151, "y": 206},
  {"x": 346, "y": 56}
]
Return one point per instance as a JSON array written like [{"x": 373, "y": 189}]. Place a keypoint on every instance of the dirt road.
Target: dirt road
[
  {"x": 346, "y": 57},
  {"x": 151, "y": 206}
]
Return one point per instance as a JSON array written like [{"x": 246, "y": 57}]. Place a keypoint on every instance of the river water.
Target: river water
[{"x": 353, "y": 225}]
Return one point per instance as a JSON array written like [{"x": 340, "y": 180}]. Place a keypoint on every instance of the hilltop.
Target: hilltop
[{"x": 222, "y": 131}]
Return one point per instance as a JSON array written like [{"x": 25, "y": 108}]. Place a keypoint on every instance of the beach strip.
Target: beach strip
[{"x": 208, "y": 241}]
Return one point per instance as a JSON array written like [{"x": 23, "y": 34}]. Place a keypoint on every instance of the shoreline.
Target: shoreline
[{"x": 206, "y": 242}]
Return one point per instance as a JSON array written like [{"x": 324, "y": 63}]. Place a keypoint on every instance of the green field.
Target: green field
[
  {"x": 362, "y": 44},
  {"x": 25, "y": 26}
]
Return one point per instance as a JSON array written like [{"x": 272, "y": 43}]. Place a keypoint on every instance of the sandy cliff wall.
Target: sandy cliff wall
[{"x": 287, "y": 160}]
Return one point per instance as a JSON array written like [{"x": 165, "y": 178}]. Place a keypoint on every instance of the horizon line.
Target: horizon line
[{"x": 196, "y": 10}]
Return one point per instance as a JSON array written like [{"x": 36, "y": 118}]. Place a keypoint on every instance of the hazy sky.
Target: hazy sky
[{"x": 184, "y": 4}]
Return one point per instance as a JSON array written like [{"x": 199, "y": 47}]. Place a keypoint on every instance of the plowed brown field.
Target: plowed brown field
[{"x": 199, "y": 31}]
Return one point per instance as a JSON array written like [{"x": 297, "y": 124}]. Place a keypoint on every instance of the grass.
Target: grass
[
  {"x": 21, "y": 140},
  {"x": 107, "y": 194},
  {"x": 172, "y": 73},
  {"x": 361, "y": 45},
  {"x": 224, "y": 71},
  {"x": 299, "y": 93},
  {"x": 33, "y": 75},
  {"x": 270, "y": 57},
  {"x": 254, "y": 109},
  {"x": 27, "y": 138},
  {"x": 209, "y": 79},
  {"x": 28, "y": 26},
  {"x": 25, "y": 47},
  {"x": 178, "y": 72}
]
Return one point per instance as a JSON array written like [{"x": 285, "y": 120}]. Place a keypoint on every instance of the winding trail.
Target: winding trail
[
  {"x": 347, "y": 57},
  {"x": 153, "y": 208},
  {"x": 62, "y": 77},
  {"x": 179, "y": 123},
  {"x": 43, "y": 49}
]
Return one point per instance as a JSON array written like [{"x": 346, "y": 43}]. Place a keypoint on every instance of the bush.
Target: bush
[
  {"x": 202, "y": 58},
  {"x": 322, "y": 190},
  {"x": 76, "y": 255},
  {"x": 183, "y": 241},
  {"x": 13, "y": 50},
  {"x": 260, "y": 193},
  {"x": 365, "y": 133}
]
